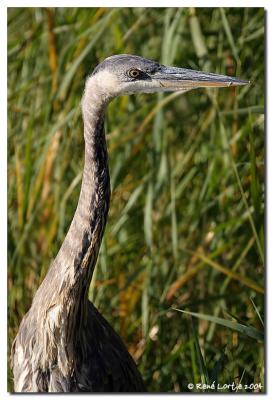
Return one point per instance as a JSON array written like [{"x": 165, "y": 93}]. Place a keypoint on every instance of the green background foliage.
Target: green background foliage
[{"x": 186, "y": 222}]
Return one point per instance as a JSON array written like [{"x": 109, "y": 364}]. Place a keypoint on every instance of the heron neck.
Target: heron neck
[{"x": 69, "y": 277}]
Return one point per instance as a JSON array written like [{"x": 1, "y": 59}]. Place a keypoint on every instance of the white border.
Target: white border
[
  {"x": 267, "y": 4},
  {"x": 139, "y": 3},
  {"x": 3, "y": 206}
]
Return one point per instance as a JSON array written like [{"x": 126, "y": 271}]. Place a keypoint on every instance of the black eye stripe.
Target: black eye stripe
[{"x": 137, "y": 74}]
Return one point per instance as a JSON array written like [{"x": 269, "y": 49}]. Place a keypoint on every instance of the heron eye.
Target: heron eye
[{"x": 133, "y": 73}]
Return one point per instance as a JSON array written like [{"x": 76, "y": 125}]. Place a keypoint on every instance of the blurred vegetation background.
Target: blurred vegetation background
[{"x": 186, "y": 222}]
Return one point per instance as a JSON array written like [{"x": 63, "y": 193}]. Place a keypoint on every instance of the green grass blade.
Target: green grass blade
[{"x": 246, "y": 330}]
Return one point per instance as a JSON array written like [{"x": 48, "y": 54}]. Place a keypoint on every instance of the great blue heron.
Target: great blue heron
[{"x": 63, "y": 343}]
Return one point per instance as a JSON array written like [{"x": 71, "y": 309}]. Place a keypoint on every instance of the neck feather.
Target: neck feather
[
  {"x": 60, "y": 305},
  {"x": 69, "y": 277}
]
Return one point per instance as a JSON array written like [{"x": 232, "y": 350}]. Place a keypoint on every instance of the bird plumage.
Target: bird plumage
[
  {"x": 63, "y": 343},
  {"x": 102, "y": 362}
]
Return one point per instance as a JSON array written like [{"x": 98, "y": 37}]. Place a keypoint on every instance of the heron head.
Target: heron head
[{"x": 128, "y": 74}]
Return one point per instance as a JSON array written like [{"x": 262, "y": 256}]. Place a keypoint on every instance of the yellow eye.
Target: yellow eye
[{"x": 133, "y": 73}]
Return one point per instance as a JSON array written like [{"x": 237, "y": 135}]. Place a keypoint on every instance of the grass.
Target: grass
[{"x": 186, "y": 222}]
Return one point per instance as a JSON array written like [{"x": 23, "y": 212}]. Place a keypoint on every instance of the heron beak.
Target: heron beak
[{"x": 172, "y": 78}]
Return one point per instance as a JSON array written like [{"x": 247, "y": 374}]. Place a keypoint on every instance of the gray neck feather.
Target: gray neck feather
[{"x": 63, "y": 294}]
